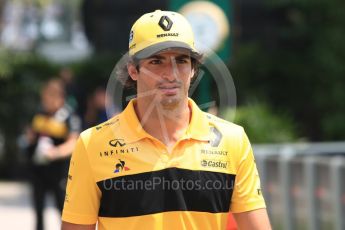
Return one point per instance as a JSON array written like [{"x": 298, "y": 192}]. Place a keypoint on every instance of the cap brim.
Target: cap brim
[{"x": 156, "y": 48}]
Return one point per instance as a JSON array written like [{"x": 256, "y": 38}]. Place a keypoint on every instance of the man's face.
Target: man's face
[
  {"x": 164, "y": 78},
  {"x": 52, "y": 98}
]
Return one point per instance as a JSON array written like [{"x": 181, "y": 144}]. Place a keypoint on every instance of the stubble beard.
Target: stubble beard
[{"x": 171, "y": 102}]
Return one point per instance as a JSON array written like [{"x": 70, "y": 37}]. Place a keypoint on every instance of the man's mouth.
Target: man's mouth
[{"x": 169, "y": 89}]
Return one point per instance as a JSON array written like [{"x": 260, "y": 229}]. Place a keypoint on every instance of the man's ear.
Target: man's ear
[
  {"x": 132, "y": 71},
  {"x": 192, "y": 74}
]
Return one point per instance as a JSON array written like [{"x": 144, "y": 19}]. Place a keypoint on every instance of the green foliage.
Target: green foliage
[
  {"x": 20, "y": 80},
  {"x": 94, "y": 71},
  {"x": 262, "y": 125},
  {"x": 21, "y": 75},
  {"x": 298, "y": 66}
]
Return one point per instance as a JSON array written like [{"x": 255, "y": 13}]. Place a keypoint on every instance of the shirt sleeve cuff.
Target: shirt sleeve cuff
[
  {"x": 238, "y": 208},
  {"x": 78, "y": 219}
]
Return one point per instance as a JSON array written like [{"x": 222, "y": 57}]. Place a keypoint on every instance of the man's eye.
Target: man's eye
[
  {"x": 155, "y": 61},
  {"x": 181, "y": 61}
]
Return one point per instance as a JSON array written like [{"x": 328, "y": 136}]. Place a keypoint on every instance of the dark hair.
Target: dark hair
[{"x": 123, "y": 76}]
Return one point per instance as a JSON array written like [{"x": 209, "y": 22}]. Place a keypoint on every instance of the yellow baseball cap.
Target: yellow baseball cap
[{"x": 160, "y": 30}]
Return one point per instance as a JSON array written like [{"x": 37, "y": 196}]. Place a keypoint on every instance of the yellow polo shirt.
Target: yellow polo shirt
[{"x": 124, "y": 178}]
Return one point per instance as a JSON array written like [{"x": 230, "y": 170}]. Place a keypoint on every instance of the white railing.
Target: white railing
[{"x": 303, "y": 184}]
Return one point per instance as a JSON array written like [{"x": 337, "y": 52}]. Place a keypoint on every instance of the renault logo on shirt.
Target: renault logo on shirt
[
  {"x": 117, "y": 142},
  {"x": 216, "y": 137}
]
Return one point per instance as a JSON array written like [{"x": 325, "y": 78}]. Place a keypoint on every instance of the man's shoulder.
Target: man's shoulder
[{"x": 101, "y": 130}]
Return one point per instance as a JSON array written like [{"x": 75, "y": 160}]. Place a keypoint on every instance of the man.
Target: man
[
  {"x": 163, "y": 163},
  {"x": 51, "y": 138}
]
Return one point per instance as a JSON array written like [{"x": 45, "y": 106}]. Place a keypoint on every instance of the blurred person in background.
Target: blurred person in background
[
  {"x": 95, "y": 108},
  {"x": 71, "y": 90},
  {"x": 51, "y": 138}
]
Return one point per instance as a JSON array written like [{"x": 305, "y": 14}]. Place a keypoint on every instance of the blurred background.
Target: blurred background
[{"x": 287, "y": 60}]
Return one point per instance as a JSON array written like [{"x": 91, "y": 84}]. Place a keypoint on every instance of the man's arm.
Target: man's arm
[
  {"x": 82, "y": 193},
  {"x": 256, "y": 219},
  {"x": 63, "y": 150},
  {"x": 70, "y": 226}
]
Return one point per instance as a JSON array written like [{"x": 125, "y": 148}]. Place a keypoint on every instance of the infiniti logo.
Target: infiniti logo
[{"x": 117, "y": 142}]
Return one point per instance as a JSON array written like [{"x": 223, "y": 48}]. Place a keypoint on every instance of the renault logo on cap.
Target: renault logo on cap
[{"x": 165, "y": 23}]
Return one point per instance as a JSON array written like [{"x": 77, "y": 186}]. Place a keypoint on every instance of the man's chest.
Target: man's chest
[
  {"x": 142, "y": 178},
  {"x": 116, "y": 158}
]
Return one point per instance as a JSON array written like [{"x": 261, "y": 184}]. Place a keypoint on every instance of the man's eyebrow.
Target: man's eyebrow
[
  {"x": 160, "y": 57},
  {"x": 182, "y": 56},
  {"x": 156, "y": 57}
]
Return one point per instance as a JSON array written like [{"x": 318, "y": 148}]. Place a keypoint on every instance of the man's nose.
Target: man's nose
[{"x": 170, "y": 71}]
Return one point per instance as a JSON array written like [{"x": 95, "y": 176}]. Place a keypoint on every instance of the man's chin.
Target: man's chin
[{"x": 170, "y": 102}]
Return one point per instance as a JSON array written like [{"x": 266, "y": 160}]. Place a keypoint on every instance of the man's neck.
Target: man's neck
[{"x": 167, "y": 125}]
